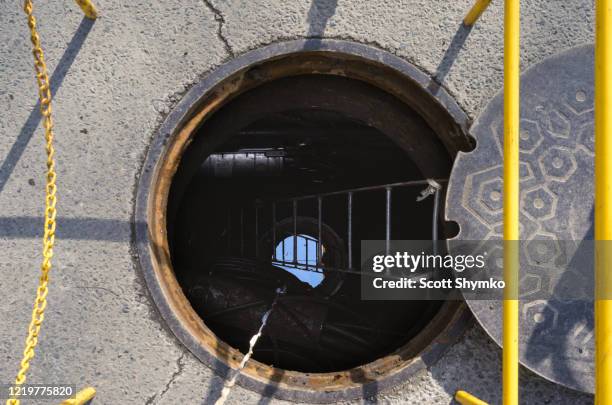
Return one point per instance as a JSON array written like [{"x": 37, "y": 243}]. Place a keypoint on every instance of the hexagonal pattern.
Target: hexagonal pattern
[
  {"x": 473, "y": 187},
  {"x": 525, "y": 171},
  {"x": 543, "y": 250},
  {"x": 539, "y": 203},
  {"x": 495, "y": 260},
  {"x": 530, "y": 284},
  {"x": 558, "y": 163},
  {"x": 540, "y": 312},
  {"x": 580, "y": 98},
  {"x": 558, "y": 124},
  {"x": 490, "y": 194},
  {"x": 530, "y": 136}
]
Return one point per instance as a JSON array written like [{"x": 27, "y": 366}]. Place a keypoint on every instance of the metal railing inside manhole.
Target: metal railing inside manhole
[{"x": 286, "y": 244}]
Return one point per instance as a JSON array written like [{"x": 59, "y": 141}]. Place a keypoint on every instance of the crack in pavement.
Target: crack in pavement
[
  {"x": 221, "y": 20},
  {"x": 179, "y": 370}
]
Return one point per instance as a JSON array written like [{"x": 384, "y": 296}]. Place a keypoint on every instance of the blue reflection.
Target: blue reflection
[{"x": 304, "y": 266}]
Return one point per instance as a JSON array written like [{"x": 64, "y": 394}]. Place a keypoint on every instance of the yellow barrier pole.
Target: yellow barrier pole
[
  {"x": 475, "y": 12},
  {"x": 603, "y": 202},
  {"x": 468, "y": 399},
  {"x": 511, "y": 201},
  {"x": 510, "y": 337},
  {"x": 88, "y": 8},
  {"x": 82, "y": 397}
]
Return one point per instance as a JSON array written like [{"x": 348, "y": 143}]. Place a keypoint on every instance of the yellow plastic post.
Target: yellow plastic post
[
  {"x": 82, "y": 397},
  {"x": 88, "y": 8},
  {"x": 467, "y": 399},
  {"x": 510, "y": 338},
  {"x": 475, "y": 12},
  {"x": 511, "y": 201},
  {"x": 603, "y": 202}
]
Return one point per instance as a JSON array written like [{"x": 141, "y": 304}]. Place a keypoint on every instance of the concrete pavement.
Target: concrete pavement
[{"x": 114, "y": 80}]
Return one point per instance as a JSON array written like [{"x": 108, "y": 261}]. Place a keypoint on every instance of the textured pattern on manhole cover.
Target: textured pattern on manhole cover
[{"x": 556, "y": 144}]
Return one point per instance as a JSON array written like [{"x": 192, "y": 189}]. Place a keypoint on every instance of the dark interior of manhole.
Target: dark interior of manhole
[{"x": 236, "y": 235}]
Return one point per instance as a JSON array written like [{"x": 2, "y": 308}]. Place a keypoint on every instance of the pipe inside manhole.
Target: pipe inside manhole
[{"x": 272, "y": 178}]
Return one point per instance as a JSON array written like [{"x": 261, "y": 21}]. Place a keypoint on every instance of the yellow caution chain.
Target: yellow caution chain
[
  {"x": 88, "y": 8},
  {"x": 40, "y": 304}
]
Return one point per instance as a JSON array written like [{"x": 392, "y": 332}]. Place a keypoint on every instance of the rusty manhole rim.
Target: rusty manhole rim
[{"x": 357, "y": 61}]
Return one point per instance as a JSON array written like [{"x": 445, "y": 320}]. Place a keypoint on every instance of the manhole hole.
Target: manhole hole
[{"x": 271, "y": 171}]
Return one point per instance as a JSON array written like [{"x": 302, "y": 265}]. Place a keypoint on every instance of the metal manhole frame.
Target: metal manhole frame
[{"x": 395, "y": 76}]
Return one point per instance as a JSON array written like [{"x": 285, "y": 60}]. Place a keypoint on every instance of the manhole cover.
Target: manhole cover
[{"x": 556, "y": 334}]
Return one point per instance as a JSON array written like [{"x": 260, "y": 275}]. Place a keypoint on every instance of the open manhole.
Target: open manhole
[{"x": 268, "y": 175}]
